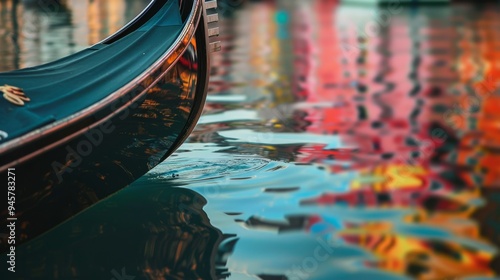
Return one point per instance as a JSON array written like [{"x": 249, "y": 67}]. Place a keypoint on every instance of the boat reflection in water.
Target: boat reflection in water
[{"x": 164, "y": 234}]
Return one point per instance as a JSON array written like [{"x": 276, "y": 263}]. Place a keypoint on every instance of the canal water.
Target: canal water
[{"x": 338, "y": 142}]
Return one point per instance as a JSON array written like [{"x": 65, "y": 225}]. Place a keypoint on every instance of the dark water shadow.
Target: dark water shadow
[{"x": 151, "y": 230}]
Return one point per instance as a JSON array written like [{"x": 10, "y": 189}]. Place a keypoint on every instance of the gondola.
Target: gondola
[{"x": 78, "y": 129}]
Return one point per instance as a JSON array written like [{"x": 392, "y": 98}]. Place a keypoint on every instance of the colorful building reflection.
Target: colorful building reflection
[
  {"x": 36, "y": 32},
  {"x": 415, "y": 98}
]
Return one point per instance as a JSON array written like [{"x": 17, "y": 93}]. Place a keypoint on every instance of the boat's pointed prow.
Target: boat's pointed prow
[{"x": 149, "y": 83}]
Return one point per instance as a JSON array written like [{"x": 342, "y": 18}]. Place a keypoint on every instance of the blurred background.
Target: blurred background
[
  {"x": 351, "y": 139},
  {"x": 33, "y": 32}
]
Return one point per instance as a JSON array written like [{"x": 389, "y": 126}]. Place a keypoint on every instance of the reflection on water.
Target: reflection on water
[{"x": 337, "y": 143}]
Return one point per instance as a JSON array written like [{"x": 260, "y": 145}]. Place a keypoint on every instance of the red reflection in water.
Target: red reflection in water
[{"x": 417, "y": 100}]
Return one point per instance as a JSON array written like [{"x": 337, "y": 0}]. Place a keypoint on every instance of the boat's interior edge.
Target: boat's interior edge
[
  {"x": 25, "y": 116},
  {"x": 137, "y": 22},
  {"x": 144, "y": 16}
]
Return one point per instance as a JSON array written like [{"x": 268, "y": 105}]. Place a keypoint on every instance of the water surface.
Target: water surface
[{"x": 338, "y": 142}]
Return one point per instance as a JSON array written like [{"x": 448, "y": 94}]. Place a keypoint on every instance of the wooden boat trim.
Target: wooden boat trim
[{"x": 175, "y": 51}]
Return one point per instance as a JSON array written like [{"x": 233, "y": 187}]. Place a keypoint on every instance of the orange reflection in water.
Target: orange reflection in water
[{"x": 419, "y": 103}]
